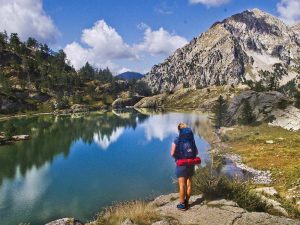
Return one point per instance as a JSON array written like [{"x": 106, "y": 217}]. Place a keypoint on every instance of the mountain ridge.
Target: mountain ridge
[
  {"x": 230, "y": 52},
  {"x": 130, "y": 75}
]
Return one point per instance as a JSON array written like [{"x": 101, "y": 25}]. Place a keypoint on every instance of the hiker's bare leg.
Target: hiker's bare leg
[
  {"x": 188, "y": 188},
  {"x": 182, "y": 188}
]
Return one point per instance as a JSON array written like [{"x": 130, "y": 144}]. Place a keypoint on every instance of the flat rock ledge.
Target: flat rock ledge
[{"x": 218, "y": 212}]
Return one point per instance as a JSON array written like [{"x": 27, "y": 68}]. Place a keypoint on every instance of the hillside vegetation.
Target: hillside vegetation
[{"x": 35, "y": 78}]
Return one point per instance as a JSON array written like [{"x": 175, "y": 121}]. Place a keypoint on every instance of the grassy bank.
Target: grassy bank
[
  {"x": 136, "y": 211},
  {"x": 269, "y": 148}
]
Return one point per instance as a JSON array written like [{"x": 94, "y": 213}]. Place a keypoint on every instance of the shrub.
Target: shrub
[
  {"x": 283, "y": 104},
  {"x": 209, "y": 184},
  {"x": 214, "y": 186},
  {"x": 137, "y": 211},
  {"x": 258, "y": 87},
  {"x": 186, "y": 85}
]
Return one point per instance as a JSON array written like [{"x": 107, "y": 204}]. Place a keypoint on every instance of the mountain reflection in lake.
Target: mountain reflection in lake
[{"x": 74, "y": 166}]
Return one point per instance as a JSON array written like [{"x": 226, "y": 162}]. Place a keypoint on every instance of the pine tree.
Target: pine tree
[
  {"x": 247, "y": 113},
  {"x": 3, "y": 40},
  {"x": 220, "y": 112},
  {"x": 15, "y": 41},
  {"x": 32, "y": 43}
]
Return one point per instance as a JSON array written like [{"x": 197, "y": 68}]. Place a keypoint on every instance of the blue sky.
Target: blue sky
[{"x": 125, "y": 34}]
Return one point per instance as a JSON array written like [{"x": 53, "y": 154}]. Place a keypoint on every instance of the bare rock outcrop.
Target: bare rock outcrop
[{"x": 288, "y": 118}]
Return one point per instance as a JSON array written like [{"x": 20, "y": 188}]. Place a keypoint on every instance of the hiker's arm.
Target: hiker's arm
[{"x": 173, "y": 149}]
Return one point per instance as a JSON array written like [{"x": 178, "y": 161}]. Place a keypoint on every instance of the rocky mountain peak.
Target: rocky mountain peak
[
  {"x": 256, "y": 20},
  {"x": 230, "y": 52}
]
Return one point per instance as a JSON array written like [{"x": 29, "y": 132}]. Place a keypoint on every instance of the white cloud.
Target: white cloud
[
  {"x": 289, "y": 11},
  {"x": 209, "y": 3},
  {"x": 160, "y": 42},
  {"x": 102, "y": 46},
  {"x": 28, "y": 19},
  {"x": 106, "y": 41}
]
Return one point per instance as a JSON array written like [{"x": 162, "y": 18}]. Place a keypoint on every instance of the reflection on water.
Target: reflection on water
[
  {"x": 62, "y": 171},
  {"x": 104, "y": 141}
]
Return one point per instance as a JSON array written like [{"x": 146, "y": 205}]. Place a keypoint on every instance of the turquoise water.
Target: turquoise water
[{"x": 75, "y": 166}]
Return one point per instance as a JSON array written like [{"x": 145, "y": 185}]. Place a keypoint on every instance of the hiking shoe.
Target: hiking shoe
[{"x": 181, "y": 206}]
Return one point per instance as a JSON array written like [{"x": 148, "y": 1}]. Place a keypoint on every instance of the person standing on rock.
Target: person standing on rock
[{"x": 184, "y": 151}]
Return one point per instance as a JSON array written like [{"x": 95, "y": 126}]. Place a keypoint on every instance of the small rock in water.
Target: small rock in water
[
  {"x": 20, "y": 137},
  {"x": 269, "y": 142}
]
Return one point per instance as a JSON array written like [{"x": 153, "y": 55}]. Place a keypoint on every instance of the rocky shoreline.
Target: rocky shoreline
[
  {"x": 73, "y": 110},
  {"x": 217, "y": 212}
]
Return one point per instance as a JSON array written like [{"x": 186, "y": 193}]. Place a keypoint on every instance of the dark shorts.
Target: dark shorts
[{"x": 185, "y": 171}]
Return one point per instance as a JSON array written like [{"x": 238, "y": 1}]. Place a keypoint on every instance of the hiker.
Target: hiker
[{"x": 184, "y": 151}]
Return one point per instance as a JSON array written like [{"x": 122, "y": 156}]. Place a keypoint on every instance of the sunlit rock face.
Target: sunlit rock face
[
  {"x": 296, "y": 29},
  {"x": 230, "y": 52}
]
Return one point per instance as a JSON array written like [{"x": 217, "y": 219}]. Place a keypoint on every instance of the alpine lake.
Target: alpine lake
[{"x": 75, "y": 165}]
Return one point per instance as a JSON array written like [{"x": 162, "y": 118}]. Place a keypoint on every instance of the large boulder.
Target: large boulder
[{"x": 262, "y": 104}]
